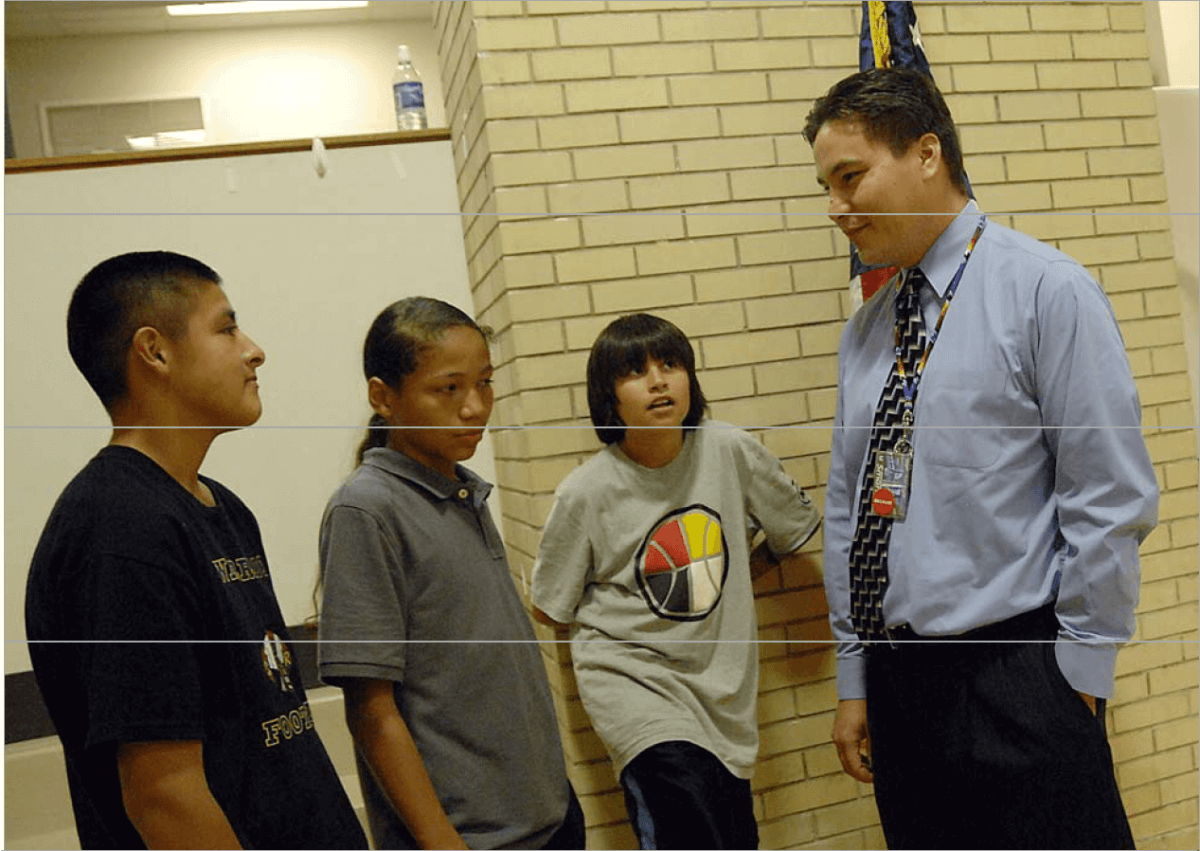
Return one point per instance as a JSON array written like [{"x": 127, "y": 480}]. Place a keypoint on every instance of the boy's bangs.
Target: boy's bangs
[{"x": 631, "y": 355}]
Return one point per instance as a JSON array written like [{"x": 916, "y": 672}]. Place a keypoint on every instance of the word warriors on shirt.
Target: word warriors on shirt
[{"x": 241, "y": 569}]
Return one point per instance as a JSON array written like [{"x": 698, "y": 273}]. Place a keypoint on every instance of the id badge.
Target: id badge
[{"x": 893, "y": 472}]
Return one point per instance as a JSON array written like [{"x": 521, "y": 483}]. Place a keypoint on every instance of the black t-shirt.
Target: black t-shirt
[{"x": 179, "y": 637}]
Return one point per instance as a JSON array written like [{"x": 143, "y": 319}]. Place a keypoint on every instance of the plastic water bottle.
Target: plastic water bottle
[{"x": 408, "y": 92}]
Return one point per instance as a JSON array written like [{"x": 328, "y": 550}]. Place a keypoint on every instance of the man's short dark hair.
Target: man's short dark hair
[
  {"x": 895, "y": 106},
  {"x": 120, "y": 295},
  {"x": 624, "y": 347}
]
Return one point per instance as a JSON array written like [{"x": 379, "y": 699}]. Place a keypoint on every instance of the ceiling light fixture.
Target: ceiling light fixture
[{"x": 235, "y": 7}]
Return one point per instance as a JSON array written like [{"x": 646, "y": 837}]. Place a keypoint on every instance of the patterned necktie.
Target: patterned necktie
[{"x": 868, "y": 551}]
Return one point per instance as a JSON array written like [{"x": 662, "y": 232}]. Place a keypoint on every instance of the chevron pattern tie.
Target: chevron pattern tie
[{"x": 868, "y": 550}]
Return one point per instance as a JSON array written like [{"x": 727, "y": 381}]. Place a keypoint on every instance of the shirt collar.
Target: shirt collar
[
  {"x": 437, "y": 485},
  {"x": 941, "y": 260}
]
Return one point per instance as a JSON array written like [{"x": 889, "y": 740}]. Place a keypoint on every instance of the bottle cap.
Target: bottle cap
[{"x": 402, "y": 53}]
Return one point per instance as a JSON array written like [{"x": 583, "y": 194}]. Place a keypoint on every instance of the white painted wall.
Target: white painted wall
[
  {"x": 257, "y": 84},
  {"x": 308, "y": 263}
]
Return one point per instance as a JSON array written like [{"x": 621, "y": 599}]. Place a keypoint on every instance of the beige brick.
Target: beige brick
[
  {"x": 1084, "y": 134},
  {"x": 543, "y": 235},
  {"x": 776, "y": 706},
  {"x": 1128, "y": 16},
  {"x": 820, "y": 339},
  {"x": 1141, "y": 131},
  {"x": 787, "y": 832},
  {"x": 548, "y": 371},
  {"x": 678, "y": 189},
  {"x": 608, "y": 28},
  {"x": 1128, "y": 306},
  {"x": 513, "y": 34},
  {"x": 522, "y": 101},
  {"x": 985, "y": 169},
  {"x": 805, "y": 374},
  {"x": 726, "y": 384},
  {"x": 710, "y": 25},
  {"x": 642, "y": 227},
  {"x": 641, "y": 293},
  {"x": 519, "y": 134},
  {"x": 743, "y": 283},
  {"x": 594, "y": 264},
  {"x": 560, "y": 7},
  {"x": 759, "y": 119},
  {"x": 807, "y": 211},
  {"x": 750, "y": 347},
  {"x": 787, "y": 767},
  {"x": 1139, "y": 361},
  {"x": 806, "y": 22},
  {"x": 718, "y": 89},
  {"x": 1159, "y": 389},
  {"x": 533, "y": 167},
  {"x": 972, "y": 109},
  {"x": 822, "y": 760},
  {"x": 725, "y": 219},
  {"x": 623, "y": 161},
  {"x": 848, "y": 816},
  {"x": 1173, "y": 819},
  {"x": 1044, "y": 166},
  {"x": 1180, "y": 474},
  {"x": 539, "y": 406},
  {"x": 782, "y": 247},
  {"x": 616, "y": 94},
  {"x": 636, "y": 5},
  {"x": 1039, "y": 105},
  {"x": 587, "y": 197},
  {"x": 527, "y": 271},
  {"x": 1149, "y": 188},
  {"x": 800, "y": 309},
  {"x": 1004, "y": 138},
  {"x": 1133, "y": 218},
  {"x": 792, "y": 150},
  {"x": 1165, "y": 302},
  {"x": 603, "y": 809},
  {"x": 818, "y": 792},
  {"x": 1117, "y": 103},
  {"x": 961, "y": 48},
  {"x": 578, "y": 131},
  {"x": 571, "y": 64},
  {"x": 545, "y": 302},
  {"x": 1135, "y": 276},
  {"x": 1172, "y": 621},
  {"x": 803, "y": 440},
  {"x": 702, "y": 320},
  {"x": 995, "y": 77},
  {"x": 821, "y": 275},
  {"x": 611, "y": 836},
  {"x": 685, "y": 256},
  {"x": 653, "y": 125},
  {"x": 1180, "y": 788},
  {"x": 775, "y": 182},
  {"x": 520, "y": 202},
  {"x": 761, "y": 411},
  {"x": 1015, "y": 197},
  {"x": 537, "y": 338},
  {"x": 1028, "y": 47},
  {"x": 758, "y": 55},
  {"x": 1150, "y": 712},
  {"x": 986, "y": 18},
  {"x": 496, "y": 8},
  {"x": 1141, "y": 799},
  {"x": 660, "y": 59},
  {"x": 1152, "y": 332},
  {"x": 795, "y": 733},
  {"x": 1158, "y": 565},
  {"x": 504, "y": 68},
  {"x": 1109, "y": 45},
  {"x": 722, "y": 154},
  {"x": 806, "y": 84},
  {"x": 1186, "y": 533},
  {"x": 1092, "y": 251},
  {"x": 1134, "y": 74},
  {"x": 1177, "y": 504},
  {"x": 1172, "y": 734},
  {"x": 1069, "y": 17},
  {"x": 1076, "y": 75}
]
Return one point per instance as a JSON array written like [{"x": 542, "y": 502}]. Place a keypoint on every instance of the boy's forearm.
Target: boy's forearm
[{"x": 167, "y": 799}]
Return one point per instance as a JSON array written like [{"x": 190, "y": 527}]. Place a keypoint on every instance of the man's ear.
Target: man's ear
[
  {"x": 929, "y": 149},
  {"x": 149, "y": 349},
  {"x": 380, "y": 397}
]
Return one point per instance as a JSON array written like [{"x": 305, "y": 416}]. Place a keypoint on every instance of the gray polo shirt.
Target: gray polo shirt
[{"x": 418, "y": 591}]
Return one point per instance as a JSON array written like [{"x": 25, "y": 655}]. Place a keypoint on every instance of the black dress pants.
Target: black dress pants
[{"x": 980, "y": 742}]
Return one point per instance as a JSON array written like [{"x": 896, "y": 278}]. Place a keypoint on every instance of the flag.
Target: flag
[{"x": 889, "y": 39}]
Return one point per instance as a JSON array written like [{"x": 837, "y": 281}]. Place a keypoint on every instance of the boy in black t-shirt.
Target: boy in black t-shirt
[{"x": 154, "y": 631}]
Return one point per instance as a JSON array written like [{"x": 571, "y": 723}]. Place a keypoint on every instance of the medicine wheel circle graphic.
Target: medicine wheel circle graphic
[{"x": 682, "y": 564}]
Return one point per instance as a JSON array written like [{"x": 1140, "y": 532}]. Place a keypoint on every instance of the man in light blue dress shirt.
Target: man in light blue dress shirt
[{"x": 1012, "y": 576}]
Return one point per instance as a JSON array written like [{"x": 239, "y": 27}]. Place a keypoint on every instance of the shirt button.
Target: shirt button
[{"x": 463, "y": 493}]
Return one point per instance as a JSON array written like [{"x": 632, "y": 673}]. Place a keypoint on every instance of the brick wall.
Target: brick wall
[{"x": 621, "y": 156}]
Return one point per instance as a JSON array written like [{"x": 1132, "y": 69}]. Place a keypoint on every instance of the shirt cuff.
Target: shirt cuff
[
  {"x": 1089, "y": 668},
  {"x": 852, "y": 677}
]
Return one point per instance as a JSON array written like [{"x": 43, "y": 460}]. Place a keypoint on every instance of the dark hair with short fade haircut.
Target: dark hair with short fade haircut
[
  {"x": 395, "y": 343},
  {"x": 121, "y": 295},
  {"x": 895, "y": 106},
  {"x": 624, "y": 347}
]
